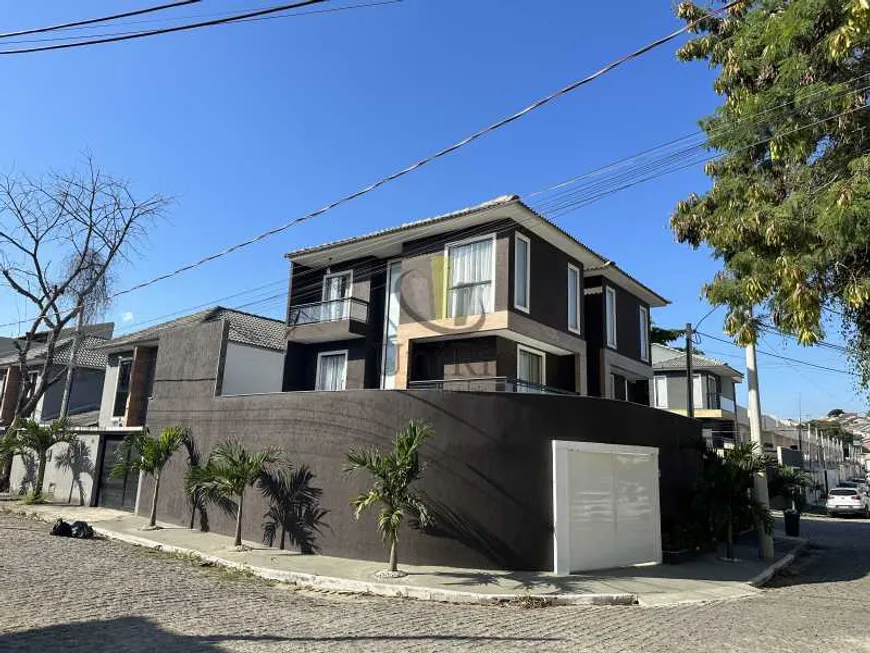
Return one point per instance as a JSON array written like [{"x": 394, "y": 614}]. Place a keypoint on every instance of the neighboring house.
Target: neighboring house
[
  {"x": 87, "y": 383},
  {"x": 713, "y": 391},
  {"x": 489, "y": 298},
  {"x": 252, "y": 363}
]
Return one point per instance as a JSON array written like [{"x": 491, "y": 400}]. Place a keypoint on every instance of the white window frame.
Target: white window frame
[
  {"x": 528, "y": 242},
  {"x": 579, "y": 329},
  {"x": 535, "y": 352},
  {"x": 387, "y": 296},
  {"x": 643, "y": 316},
  {"x": 608, "y": 293},
  {"x": 317, "y": 369},
  {"x": 656, "y": 397},
  {"x": 446, "y": 275}
]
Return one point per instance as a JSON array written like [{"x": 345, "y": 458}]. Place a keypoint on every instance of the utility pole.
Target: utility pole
[
  {"x": 765, "y": 540},
  {"x": 690, "y": 384},
  {"x": 71, "y": 364}
]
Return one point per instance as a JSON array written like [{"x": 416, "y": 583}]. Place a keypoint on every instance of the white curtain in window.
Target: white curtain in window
[
  {"x": 331, "y": 372},
  {"x": 470, "y": 278},
  {"x": 521, "y": 276},
  {"x": 336, "y": 288},
  {"x": 530, "y": 369},
  {"x": 573, "y": 299},
  {"x": 661, "y": 391}
]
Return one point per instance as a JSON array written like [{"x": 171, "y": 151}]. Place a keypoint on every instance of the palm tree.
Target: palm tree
[
  {"x": 294, "y": 507},
  {"x": 230, "y": 470},
  {"x": 394, "y": 472},
  {"x": 791, "y": 484},
  {"x": 727, "y": 490},
  {"x": 29, "y": 436},
  {"x": 142, "y": 452}
]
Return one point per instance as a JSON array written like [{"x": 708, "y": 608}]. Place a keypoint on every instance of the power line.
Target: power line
[
  {"x": 297, "y": 14},
  {"x": 167, "y": 30},
  {"x": 101, "y": 19},
  {"x": 780, "y": 356},
  {"x": 441, "y": 153}
]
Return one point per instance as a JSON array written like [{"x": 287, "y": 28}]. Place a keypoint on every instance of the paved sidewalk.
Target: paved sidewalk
[{"x": 703, "y": 579}]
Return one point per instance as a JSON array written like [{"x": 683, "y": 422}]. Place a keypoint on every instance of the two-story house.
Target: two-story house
[
  {"x": 713, "y": 391},
  {"x": 87, "y": 380},
  {"x": 491, "y": 298}
]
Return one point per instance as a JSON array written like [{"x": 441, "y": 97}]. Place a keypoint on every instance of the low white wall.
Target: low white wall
[
  {"x": 69, "y": 474},
  {"x": 251, "y": 370}
]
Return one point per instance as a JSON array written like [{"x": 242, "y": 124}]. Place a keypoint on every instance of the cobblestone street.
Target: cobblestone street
[{"x": 68, "y": 595}]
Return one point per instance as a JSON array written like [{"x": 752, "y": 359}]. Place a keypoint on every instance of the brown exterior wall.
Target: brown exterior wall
[
  {"x": 137, "y": 401},
  {"x": 10, "y": 395},
  {"x": 490, "y": 463}
]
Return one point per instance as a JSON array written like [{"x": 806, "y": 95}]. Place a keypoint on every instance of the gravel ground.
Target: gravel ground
[{"x": 68, "y": 595}]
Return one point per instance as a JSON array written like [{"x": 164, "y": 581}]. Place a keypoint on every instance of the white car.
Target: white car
[{"x": 847, "y": 501}]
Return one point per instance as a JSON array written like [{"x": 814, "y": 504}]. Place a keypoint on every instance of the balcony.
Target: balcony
[
  {"x": 326, "y": 321},
  {"x": 716, "y": 401},
  {"x": 487, "y": 384}
]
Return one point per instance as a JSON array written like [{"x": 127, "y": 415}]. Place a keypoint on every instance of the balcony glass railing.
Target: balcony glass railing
[
  {"x": 487, "y": 384},
  {"x": 717, "y": 401},
  {"x": 331, "y": 310}
]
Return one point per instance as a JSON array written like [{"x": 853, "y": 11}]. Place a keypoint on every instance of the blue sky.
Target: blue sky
[{"x": 249, "y": 125}]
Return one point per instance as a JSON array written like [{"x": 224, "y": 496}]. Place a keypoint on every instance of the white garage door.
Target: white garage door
[{"x": 606, "y": 506}]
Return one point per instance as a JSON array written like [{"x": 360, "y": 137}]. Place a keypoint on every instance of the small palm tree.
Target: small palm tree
[
  {"x": 394, "y": 473},
  {"x": 29, "y": 436},
  {"x": 727, "y": 490},
  {"x": 230, "y": 470},
  {"x": 142, "y": 452},
  {"x": 792, "y": 484},
  {"x": 294, "y": 508}
]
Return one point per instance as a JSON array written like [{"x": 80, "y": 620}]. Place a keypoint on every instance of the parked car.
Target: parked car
[{"x": 847, "y": 501}]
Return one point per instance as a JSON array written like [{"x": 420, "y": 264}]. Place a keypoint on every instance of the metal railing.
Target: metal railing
[
  {"x": 331, "y": 310},
  {"x": 487, "y": 384}
]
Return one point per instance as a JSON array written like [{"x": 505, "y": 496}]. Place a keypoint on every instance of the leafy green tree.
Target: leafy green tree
[
  {"x": 788, "y": 213},
  {"x": 143, "y": 452},
  {"x": 726, "y": 490},
  {"x": 394, "y": 473},
  {"x": 28, "y": 436},
  {"x": 229, "y": 471},
  {"x": 663, "y": 336},
  {"x": 294, "y": 507}
]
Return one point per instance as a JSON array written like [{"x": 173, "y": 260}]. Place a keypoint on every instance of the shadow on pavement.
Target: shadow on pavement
[{"x": 139, "y": 635}]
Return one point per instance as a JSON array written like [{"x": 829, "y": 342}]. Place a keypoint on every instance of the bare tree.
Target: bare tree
[{"x": 87, "y": 221}]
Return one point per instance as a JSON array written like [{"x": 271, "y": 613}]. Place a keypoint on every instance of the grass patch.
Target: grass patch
[{"x": 32, "y": 498}]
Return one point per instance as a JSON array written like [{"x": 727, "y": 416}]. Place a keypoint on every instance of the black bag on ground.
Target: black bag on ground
[
  {"x": 81, "y": 530},
  {"x": 61, "y": 529}
]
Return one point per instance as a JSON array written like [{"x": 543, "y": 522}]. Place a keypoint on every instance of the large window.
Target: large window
[
  {"x": 2, "y": 385},
  {"x": 660, "y": 390},
  {"x": 573, "y": 299},
  {"x": 122, "y": 390},
  {"x": 522, "y": 272},
  {"x": 336, "y": 295},
  {"x": 331, "y": 370},
  {"x": 531, "y": 369},
  {"x": 610, "y": 315},
  {"x": 470, "y": 277},
  {"x": 644, "y": 333}
]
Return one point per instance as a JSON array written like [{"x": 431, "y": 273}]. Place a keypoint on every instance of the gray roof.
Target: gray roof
[
  {"x": 591, "y": 259},
  {"x": 88, "y": 355},
  {"x": 245, "y": 329},
  {"x": 669, "y": 359}
]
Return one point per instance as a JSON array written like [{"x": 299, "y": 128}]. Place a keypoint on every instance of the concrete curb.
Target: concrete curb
[
  {"x": 329, "y": 583},
  {"x": 761, "y": 579}
]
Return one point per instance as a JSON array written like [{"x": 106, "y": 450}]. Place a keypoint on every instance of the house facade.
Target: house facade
[
  {"x": 491, "y": 298},
  {"x": 714, "y": 387},
  {"x": 87, "y": 380}
]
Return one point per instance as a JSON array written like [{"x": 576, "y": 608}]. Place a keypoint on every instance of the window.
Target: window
[
  {"x": 522, "y": 272},
  {"x": 697, "y": 392},
  {"x": 660, "y": 390},
  {"x": 610, "y": 315},
  {"x": 573, "y": 299},
  {"x": 32, "y": 382},
  {"x": 644, "y": 333},
  {"x": 2, "y": 385},
  {"x": 122, "y": 389},
  {"x": 531, "y": 369},
  {"x": 470, "y": 273},
  {"x": 331, "y": 370},
  {"x": 336, "y": 295}
]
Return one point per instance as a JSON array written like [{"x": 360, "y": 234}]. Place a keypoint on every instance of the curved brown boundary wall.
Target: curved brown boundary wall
[{"x": 489, "y": 471}]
